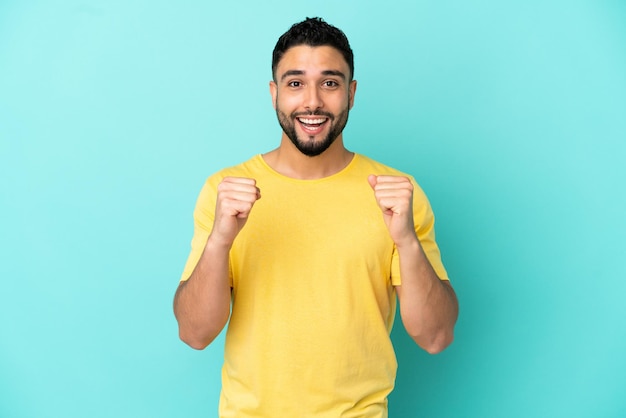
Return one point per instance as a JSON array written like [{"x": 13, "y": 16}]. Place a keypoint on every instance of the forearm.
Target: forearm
[
  {"x": 202, "y": 303},
  {"x": 428, "y": 305}
]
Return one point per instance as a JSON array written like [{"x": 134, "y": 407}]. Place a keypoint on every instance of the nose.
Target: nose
[{"x": 313, "y": 98}]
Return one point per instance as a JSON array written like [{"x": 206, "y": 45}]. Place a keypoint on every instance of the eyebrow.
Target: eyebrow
[{"x": 300, "y": 72}]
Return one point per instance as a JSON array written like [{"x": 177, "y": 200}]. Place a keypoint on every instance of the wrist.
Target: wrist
[
  {"x": 409, "y": 241},
  {"x": 216, "y": 242}
]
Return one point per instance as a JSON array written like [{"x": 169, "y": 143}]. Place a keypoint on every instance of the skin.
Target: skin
[
  {"x": 314, "y": 84},
  {"x": 310, "y": 80}
]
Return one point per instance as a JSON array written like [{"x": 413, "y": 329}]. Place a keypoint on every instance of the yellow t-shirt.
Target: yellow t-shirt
[{"x": 312, "y": 275}]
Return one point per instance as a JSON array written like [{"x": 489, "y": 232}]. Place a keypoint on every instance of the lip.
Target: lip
[
  {"x": 312, "y": 120},
  {"x": 312, "y": 125}
]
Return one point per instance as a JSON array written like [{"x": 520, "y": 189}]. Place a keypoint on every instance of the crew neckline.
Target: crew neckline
[{"x": 344, "y": 170}]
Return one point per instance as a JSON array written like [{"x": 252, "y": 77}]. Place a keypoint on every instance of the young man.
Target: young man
[{"x": 312, "y": 268}]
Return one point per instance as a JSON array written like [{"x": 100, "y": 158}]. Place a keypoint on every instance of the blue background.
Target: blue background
[{"x": 511, "y": 115}]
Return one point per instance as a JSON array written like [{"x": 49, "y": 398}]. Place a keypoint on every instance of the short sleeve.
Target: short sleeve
[{"x": 203, "y": 217}]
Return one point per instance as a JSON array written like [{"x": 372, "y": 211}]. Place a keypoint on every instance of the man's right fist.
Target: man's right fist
[{"x": 235, "y": 198}]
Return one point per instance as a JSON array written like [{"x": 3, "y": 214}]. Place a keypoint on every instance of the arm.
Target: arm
[
  {"x": 428, "y": 305},
  {"x": 202, "y": 303}
]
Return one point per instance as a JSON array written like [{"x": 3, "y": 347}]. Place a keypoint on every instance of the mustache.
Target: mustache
[{"x": 314, "y": 113}]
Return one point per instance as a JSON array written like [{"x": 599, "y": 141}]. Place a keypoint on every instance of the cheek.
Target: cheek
[
  {"x": 341, "y": 100},
  {"x": 287, "y": 104}
]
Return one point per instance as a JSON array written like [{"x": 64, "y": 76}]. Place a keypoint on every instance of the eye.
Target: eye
[
  {"x": 330, "y": 84},
  {"x": 294, "y": 84}
]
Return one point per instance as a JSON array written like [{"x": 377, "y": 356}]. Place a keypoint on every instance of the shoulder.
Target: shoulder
[
  {"x": 376, "y": 167},
  {"x": 364, "y": 162},
  {"x": 370, "y": 166},
  {"x": 250, "y": 169}
]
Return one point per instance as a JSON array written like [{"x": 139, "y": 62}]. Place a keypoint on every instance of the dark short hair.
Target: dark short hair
[{"x": 313, "y": 32}]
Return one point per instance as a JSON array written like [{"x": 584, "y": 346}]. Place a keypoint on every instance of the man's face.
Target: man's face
[{"x": 312, "y": 95}]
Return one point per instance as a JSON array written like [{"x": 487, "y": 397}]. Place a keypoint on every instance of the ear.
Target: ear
[
  {"x": 273, "y": 92},
  {"x": 352, "y": 92}
]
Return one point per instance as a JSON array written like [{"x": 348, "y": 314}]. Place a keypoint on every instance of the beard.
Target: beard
[{"x": 311, "y": 147}]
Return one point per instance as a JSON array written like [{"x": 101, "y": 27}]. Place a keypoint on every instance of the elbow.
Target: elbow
[
  {"x": 199, "y": 334},
  {"x": 435, "y": 342},
  {"x": 439, "y": 343},
  {"x": 199, "y": 339},
  {"x": 196, "y": 345},
  {"x": 196, "y": 342}
]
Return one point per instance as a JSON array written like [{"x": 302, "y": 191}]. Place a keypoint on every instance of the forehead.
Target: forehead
[{"x": 312, "y": 59}]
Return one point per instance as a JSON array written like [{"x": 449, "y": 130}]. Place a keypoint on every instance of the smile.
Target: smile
[
  {"x": 312, "y": 121},
  {"x": 312, "y": 126}
]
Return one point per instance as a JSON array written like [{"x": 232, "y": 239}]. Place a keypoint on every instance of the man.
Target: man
[{"x": 312, "y": 268}]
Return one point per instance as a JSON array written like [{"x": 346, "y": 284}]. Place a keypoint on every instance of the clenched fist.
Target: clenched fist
[
  {"x": 394, "y": 195},
  {"x": 235, "y": 198}
]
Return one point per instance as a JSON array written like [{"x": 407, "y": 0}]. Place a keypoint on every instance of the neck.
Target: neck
[{"x": 289, "y": 161}]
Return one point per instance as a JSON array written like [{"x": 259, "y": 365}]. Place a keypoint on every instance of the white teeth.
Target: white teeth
[{"x": 312, "y": 121}]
